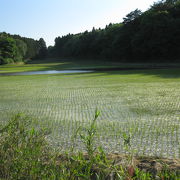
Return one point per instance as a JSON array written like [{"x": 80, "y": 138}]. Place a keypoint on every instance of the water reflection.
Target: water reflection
[{"x": 45, "y": 72}]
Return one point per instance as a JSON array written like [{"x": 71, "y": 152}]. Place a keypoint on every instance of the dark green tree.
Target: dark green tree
[
  {"x": 42, "y": 49},
  {"x": 21, "y": 49},
  {"x": 150, "y": 36},
  {"x": 8, "y": 49},
  {"x": 132, "y": 16}
]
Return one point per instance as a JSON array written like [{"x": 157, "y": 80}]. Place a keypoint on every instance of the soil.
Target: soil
[{"x": 152, "y": 165}]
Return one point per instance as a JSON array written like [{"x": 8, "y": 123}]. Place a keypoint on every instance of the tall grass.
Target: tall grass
[{"x": 23, "y": 150}]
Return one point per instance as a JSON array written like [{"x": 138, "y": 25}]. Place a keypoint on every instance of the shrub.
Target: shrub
[
  {"x": 23, "y": 150},
  {"x": 7, "y": 61}
]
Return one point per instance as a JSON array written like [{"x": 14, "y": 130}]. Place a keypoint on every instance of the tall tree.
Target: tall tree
[
  {"x": 153, "y": 35},
  {"x": 42, "y": 49},
  {"x": 8, "y": 49},
  {"x": 21, "y": 49}
]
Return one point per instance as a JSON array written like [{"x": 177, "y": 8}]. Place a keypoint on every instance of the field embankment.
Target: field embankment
[{"x": 82, "y": 64}]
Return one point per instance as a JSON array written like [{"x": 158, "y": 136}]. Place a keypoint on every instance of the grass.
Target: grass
[
  {"x": 26, "y": 154},
  {"x": 141, "y": 104}
]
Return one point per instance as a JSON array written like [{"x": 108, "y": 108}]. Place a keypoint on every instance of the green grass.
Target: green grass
[{"x": 144, "y": 104}]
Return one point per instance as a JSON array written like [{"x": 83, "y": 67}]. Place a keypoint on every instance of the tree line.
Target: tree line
[
  {"x": 150, "y": 36},
  {"x": 14, "y": 48}
]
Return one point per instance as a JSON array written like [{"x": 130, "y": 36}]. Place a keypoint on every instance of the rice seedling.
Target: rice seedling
[
  {"x": 26, "y": 154},
  {"x": 142, "y": 102}
]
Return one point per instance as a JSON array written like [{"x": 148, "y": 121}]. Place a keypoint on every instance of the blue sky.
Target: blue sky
[{"x": 52, "y": 18}]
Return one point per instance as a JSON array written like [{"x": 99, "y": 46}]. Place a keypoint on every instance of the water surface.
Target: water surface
[{"x": 45, "y": 72}]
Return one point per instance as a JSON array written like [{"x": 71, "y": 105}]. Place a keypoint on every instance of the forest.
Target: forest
[
  {"x": 143, "y": 37},
  {"x": 14, "y": 48},
  {"x": 150, "y": 36}
]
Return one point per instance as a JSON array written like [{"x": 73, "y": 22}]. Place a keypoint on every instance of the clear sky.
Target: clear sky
[{"x": 52, "y": 18}]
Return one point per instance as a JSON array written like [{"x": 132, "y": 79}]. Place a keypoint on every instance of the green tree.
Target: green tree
[
  {"x": 132, "y": 16},
  {"x": 153, "y": 35},
  {"x": 21, "y": 49},
  {"x": 42, "y": 48},
  {"x": 8, "y": 49}
]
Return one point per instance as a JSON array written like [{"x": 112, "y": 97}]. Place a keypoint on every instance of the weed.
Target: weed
[
  {"x": 88, "y": 138},
  {"x": 25, "y": 154},
  {"x": 22, "y": 150}
]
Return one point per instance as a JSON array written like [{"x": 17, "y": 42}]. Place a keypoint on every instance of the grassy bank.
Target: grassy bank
[
  {"x": 62, "y": 64},
  {"x": 25, "y": 154}
]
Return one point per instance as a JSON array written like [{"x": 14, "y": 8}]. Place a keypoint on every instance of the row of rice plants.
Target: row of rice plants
[{"x": 146, "y": 111}]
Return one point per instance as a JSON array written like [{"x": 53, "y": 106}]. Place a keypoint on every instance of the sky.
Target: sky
[{"x": 52, "y": 18}]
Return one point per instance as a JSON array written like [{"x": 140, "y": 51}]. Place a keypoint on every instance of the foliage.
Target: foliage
[
  {"x": 14, "y": 48},
  {"x": 21, "y": 50},
  {"x": 151, "y": 36},
  {"x": 23, "y": 150},
  {"x": 8, "y": 49},
  {"x": 42, "y": 49},
  {"x": 25, "y": 154}
]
